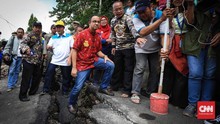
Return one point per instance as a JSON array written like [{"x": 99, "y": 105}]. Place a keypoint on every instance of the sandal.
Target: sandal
[
  {"x": 73, "y": 109},
  {"x": 135, "y": 99},
  {"x": 124, "y": 95}
]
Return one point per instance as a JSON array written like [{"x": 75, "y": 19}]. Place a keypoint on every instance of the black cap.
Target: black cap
[
  {"x": 141, "y": 5},
  {"x": 37, "y": 23},
  {"x": 52, "y": 26}
]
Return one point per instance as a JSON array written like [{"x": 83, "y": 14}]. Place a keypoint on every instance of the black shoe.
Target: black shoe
[
  {"x": 43, "y": 93},
  {"x": 24, "y": 99},
  {"x": 73, "y": 109},
  {"x": 65, "y": 94},
  {"x": 106, "y": 91},
  {"x": 190, "y": 110},
  {"x": 113, "y": 89},
  {"x": 31, "y": 94},
  {"x": 214, "y": 121}
]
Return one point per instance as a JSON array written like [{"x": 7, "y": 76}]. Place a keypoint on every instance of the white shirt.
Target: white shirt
[
  {"x": 61, "y": 46},
  {"x": 130, "y": 11},
  {"x": 19, "y": 53},
  {"x": 153, "y": 39}
]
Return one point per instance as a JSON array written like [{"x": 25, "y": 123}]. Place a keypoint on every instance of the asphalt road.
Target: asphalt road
[{"x": 114, "y": 110}]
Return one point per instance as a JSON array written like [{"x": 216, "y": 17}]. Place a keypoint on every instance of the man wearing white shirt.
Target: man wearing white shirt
[
  {"x": 149, "y": 24},
  {"x": 61, "y": 44}
]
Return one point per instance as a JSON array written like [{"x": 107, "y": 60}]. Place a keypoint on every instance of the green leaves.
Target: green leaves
[
  {"x": 31, "y": 21},
  {"x": 80, "y": 10}
]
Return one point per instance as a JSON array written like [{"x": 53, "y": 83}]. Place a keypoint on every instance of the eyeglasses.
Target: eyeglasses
[{"x": 95, "y": 21}]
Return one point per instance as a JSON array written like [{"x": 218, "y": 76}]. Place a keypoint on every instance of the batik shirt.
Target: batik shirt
[
  {"x": 123, "y": 32},
  {"x": 33, "y": 42}
]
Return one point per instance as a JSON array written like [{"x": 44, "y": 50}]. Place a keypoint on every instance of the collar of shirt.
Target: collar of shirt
[
  {"x": 92, "y": 33},
  {"x": 63, "y": 35}
]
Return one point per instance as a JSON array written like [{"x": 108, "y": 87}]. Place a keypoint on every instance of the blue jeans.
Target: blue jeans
[
  {"x": 201, "y": 77},
  {"x": 97, "y": 74},
  {"x": 108, "y": 68},
  {"x": 66, "y": 76},
  {"x": 14, "y": 70}
]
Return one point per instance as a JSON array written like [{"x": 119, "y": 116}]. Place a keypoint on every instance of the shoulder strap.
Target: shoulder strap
[{"x": 13, "y": 38}]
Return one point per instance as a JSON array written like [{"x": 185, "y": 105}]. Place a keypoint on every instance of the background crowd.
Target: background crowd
[{"x": 114, "y": 54}]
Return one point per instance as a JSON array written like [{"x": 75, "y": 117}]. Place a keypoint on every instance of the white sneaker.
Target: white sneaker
[{"x": 9, "y": 89}]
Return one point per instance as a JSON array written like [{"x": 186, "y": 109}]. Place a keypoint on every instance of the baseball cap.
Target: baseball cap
[
  {"x": 76, "y": 22},
  {"x": 59, "y": 23},
  {"x": 141, "y": 5},
  {"x": 37, "y": 23}
]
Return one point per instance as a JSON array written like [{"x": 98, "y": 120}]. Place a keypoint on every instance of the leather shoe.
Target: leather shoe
[
  {"x": 24, "y": 99},
  {"x": 65, "y": 94},
  {"x": 106, "y": 91},
  {"x": 73, "y": 109},
  {"x": 43, "y": 93}
]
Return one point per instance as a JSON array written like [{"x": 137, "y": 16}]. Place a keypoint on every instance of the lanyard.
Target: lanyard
[{"x": 180, "y": 26}]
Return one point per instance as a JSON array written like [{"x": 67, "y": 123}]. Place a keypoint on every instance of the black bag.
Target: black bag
[{"x": 8, "y": 62}]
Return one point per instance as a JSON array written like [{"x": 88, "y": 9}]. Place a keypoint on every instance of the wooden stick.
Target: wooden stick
[{"x": 164, "y": 48}]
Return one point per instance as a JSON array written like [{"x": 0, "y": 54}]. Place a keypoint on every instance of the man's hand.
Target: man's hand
[
  {"x": 168, "y": 12},
  {"x": 113, "y": 51},
  {"x": 164, "y": 54},
  {"x": 45, "y": 56},
  {"x": 74, "y": 72},
  {"x": 109, "y": 41},
  {"x": 107, "y": 59},
  {"x": 215, "y": 40},
  {"x": 69, "y": 62},
  {"x": 28, "y": 52},
  {"x": 6, "y": 57},
  {"x": 141, "y": 41},
  {"x": 49, "y": 47}
]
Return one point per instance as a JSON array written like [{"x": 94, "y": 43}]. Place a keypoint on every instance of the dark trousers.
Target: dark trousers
[
  {"x": 175, "y": 85},
  {"x": 217, "y": 81},
  {"x": 124, "y": 66},
  {"x": 31, "y": 77},
  {"x": 154, "y": 72},
  {"x": 0, "y": 68},
  {"x": 49, "y": 77}
]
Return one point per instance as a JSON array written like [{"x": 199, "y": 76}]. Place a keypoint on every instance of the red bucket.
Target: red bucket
[{"x": 159, "y": 103}]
